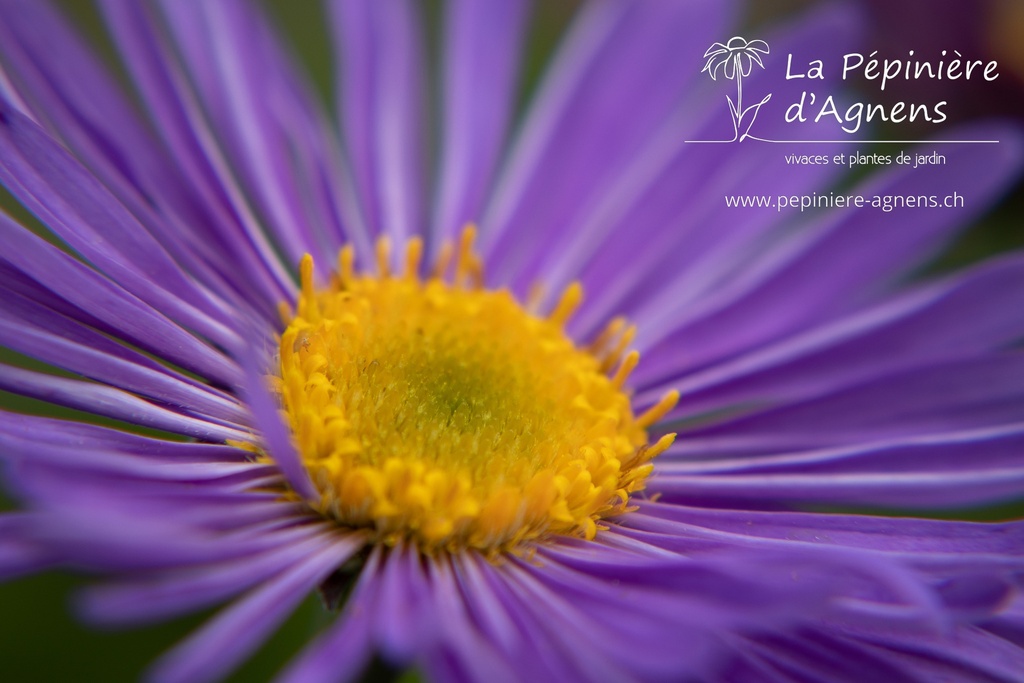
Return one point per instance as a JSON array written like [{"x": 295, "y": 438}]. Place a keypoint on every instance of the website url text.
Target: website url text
[{"x": 805, "y": 202}]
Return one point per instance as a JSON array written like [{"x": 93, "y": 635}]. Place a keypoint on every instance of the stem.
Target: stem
[{"x": 739, "y": 90}]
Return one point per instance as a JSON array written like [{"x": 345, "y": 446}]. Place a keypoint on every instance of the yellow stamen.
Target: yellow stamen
[
  {"x": 464, "y": 263},
  {"x": 444, "y": 259},
  {"x": 610, "y": 359},
  {"x": 383, "y": 257},
  {"x": 661, "y": 445},
  {"x": 309, "y": 307},
  {"x": 451, "y": 417},
  {"x": 629, "y": 364},
  {"x": 571, "y": 299},
  {"x": 659, "y": 409},
  {"x": 346, "y": 265},
  {"x": 610, "y": 332},
  {"x": 413, "y": 256},
  {"x": 476, "y": 272},
  {"x": 284, "y": 311}
]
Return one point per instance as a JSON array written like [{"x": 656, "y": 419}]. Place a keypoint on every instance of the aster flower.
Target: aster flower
[{"x": 476, "y": 473}]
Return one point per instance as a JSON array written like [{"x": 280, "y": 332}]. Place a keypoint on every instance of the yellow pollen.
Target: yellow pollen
[{"x": 439, "y": 412}]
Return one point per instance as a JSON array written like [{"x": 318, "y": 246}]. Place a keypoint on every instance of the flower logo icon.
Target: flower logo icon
[{"x": 735, "y": 59}]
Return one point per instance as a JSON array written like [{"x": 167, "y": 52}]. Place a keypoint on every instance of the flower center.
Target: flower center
[{"x": 438, "y": 411}]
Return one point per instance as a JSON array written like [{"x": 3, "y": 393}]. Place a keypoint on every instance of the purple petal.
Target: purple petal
[
  {"x": 381, "y": 101},
  {"x": 812, "y": 655},
  {"x": 466, "y": 653},
  {"x": 67, "y": 198},
  {"x": 113, "y": 543},
  {"x": 72, "y": 435},
  {"x": 951, "y": 470},
  {"x": 122, "y": 314},
  {"x": 276, "y": 436},
  {"x": 110, "y": 402},
  {"x": 916, "y": 328},
  {"x": 481, "y": 64},
  {"x": 970, "y": 655},
  {"x": 19, "y": 555},
  {"x": 671, "y": 191},
  {"x": 223, "y": 212},
  {"x": 848, "y": 258},
  {"x": 73, "y": 95},
  {"x": 1008, "y": 624},
  {"x": 128, "y": 465},
  {"x": 172, "y": 594},
  {"x": 933, "y": 399},
  {"x": 339, "y": 655},
  {"x": 267, "y": 120},
  {"x": 74, "y": 347},
  {"x": 616, "y": 78},
  {"x": 225, "y": 511},
  {"x": 404, "y": 599},
  {"x": 219, "y": 511},
  {"x": 910, "y": 539},
  {"x": 542, "y": 652},
  {"x": 234, "y": 633},
  {"x": 713, "y": 595},
  {"x": 485, "y": 607}
]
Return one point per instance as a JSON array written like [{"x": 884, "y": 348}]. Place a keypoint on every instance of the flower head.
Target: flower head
[
  {"x": 447, "y": 415},
  {"x": 738, "y": 56},
  {"x": 453, "y": 434}
]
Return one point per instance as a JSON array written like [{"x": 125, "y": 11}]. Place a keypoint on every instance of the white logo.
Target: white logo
[{"x": 735, "y": 60}]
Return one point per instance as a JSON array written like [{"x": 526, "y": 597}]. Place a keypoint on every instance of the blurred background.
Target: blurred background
[{"x": 39, "y": 637}]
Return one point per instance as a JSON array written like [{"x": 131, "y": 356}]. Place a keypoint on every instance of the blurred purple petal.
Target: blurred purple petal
[
  {"x": 235, "y": 632},
  {"x": 482, "y": 57},
  {"x": 380, "y": 56},
  {"x": 267, "y": 420}
]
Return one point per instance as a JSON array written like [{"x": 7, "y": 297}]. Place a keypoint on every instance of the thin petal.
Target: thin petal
[
  {"x": 276, "y": 436},
  {"x": 267, "y": 120},
  {"x": 481, "y": 65},
  {"x": 616, "y": 78},
  {"x": 934, "y": 398},
  {"x": 110, "y": 402},
  {"x": 381, "y": 101},
  {"x": 122, "y": 314},
  {"x": 954, "y": 470},
  {"x": 19, "y": 555},
  {"x": 70, "y": 201},
  {"x": 339, "y": 655},
  {"x": 692, "y": 245},
  {"x": 169, "y": 595},
  {"x": 234, "y": 633},
  {"x": 222, "y": 209},
  {"x": 72, "y": 435},
  {"x": 74, "y": 347},
  {"x": 913, "y": 540},
  {"x": 848, "y": 257},
  {"x": 920, "y": 326}
]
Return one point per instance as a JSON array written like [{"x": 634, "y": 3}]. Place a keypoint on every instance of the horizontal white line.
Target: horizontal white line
[{"x": 854, "y": 142}]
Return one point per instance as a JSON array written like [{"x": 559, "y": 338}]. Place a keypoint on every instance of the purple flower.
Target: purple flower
[{"x": 468, "y": 478}]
